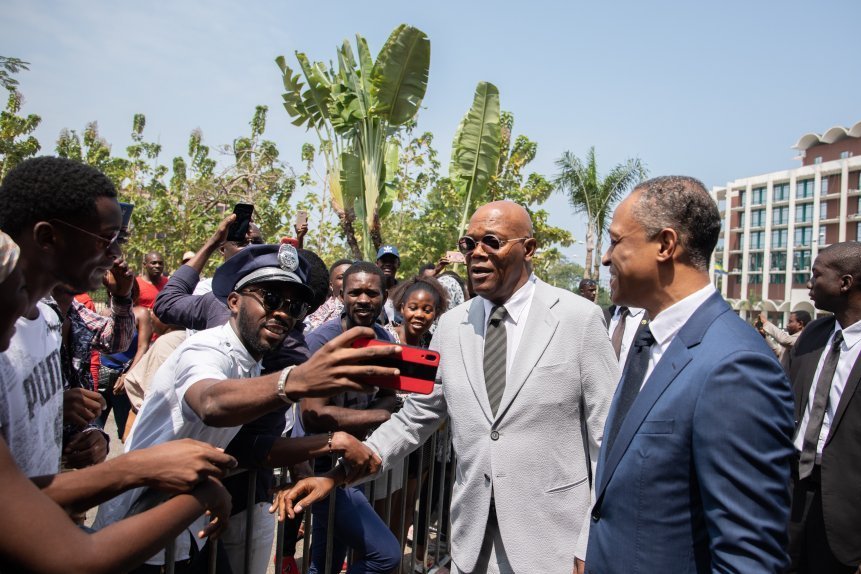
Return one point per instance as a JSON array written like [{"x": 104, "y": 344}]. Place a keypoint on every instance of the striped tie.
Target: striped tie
[{"x": 495, "y": 341}]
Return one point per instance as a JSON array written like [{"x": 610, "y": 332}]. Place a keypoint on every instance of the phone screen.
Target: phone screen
[
  {"x": 239, "y": 228},
  {"x": 301, "y": 218}
]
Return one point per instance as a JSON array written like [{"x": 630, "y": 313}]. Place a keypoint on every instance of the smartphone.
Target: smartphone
[
  {"x": 126, "y": 209},
  {"x": 417, "y": 366},
  {"x": 239, "y": 228},
  {"x": 455, "y": 257},
  {"x": 301, "y": 218}
]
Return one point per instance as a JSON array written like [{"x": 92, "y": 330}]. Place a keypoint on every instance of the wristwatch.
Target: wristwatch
[{"x": 282, "y": 382}]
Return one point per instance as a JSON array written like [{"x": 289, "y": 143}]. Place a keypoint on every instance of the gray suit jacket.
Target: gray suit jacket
[{"x": 535, "y": 455}]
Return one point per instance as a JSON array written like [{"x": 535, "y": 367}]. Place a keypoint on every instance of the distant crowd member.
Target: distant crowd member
[
  {"x": 521, "y": 363},
  {"x": 153, "y": 280},
  {"x": 389, "y": 260},
  {"x": 825, "y": 371},
  {"x": 211, "y": 385},
  {"x": 781, "y": 341},
  {"x": 356, "y": 524},
  {"x": 186, "y": 256},
  {"x": 588, "y": 288},
  {"x": 694, "y": 469},
  {"x": 38, "y": 200},
  {"x": 334, "y": 304}
]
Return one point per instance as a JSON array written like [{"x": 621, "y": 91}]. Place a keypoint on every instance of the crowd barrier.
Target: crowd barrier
[{"x": 429, "y": 506}]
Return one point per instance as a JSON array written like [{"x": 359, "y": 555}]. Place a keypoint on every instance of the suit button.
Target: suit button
[
  {"x": 596, "y": 515},
  {"x": 494, "y": 435}
]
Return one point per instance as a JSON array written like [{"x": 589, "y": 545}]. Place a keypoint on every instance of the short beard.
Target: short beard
[{"x": 249, "y": 334}]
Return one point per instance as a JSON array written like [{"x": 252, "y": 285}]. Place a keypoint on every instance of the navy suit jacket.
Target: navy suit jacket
[{"x": 697, "y": 479}]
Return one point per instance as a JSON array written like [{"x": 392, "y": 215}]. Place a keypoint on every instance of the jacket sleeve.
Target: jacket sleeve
[
  {"x": 112, "y": 334},
  {"x": 779, "y": 334},
  {"x": 742, "y": 448},
  {"x": 175, "y": 304}
]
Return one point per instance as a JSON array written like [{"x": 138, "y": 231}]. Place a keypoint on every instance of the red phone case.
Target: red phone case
[{"x": 418, "y": 367}]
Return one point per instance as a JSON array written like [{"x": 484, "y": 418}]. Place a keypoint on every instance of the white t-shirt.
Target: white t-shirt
[
  {"x": 31, "y": 394},
  {"x": 215, "y": 353}
]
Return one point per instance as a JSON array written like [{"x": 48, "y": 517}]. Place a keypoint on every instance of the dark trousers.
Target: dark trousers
[{"x": 809, "y": 551}]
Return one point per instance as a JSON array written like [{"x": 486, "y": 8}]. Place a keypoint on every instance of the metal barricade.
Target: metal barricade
[{"x": 431, "y": 509}]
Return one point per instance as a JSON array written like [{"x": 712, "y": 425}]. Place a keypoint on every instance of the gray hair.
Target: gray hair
[{"x": 683, "y": 204}]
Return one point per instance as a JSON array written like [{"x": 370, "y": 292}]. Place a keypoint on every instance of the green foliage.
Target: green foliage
[
  {"x": 16, "y": 143},
  {"x": 9, "y": 66},
  {"x": 562, "y": 273},
  {"x": 595, "y": 196}
]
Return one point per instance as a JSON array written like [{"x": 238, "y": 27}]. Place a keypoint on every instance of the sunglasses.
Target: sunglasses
[
  {"x": 118, "y": 237},
  {"x": 490, "y": 243},
  {"x": 273, "y": 301}
]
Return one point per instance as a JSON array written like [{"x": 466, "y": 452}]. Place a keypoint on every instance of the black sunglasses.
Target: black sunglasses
[
  {"x": 489, "y": 242},
  {"x": 273, "y": 301}
]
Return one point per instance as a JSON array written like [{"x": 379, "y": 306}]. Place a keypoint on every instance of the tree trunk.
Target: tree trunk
[
  {"x": 376, "y": 234},
  {"x": 599, "y": 248},
  {"x": 590, "y": 247},
  {"x": 350, "y": 234}
]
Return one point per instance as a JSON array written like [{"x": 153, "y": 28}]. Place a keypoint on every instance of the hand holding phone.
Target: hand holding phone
[
  {"x": 239, "y": 228},
  {"x": 455, "y": 257},
  {"x": 418, "y": 367}
]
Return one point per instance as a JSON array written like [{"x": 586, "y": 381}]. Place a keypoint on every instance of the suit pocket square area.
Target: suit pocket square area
[
  {"x": 564, "y": 487},
  {"x": 656, "y": 427}
]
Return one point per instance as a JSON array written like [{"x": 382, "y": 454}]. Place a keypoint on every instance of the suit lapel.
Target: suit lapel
[
  {"x": 537, "y": 333},
  {"x": 471, "y": 334},
  {"x": 672, "y": 362},
  {"x": 807, "y": 352}
]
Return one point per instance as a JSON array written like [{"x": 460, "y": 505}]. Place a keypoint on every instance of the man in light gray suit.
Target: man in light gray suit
[{"x": 526, "y": 375}]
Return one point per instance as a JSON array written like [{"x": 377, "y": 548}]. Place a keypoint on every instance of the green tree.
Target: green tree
[
  {"x": 355, "y": 113},
  {"x": 16, "y": 141},
  {"x": 595, "y": 196},
  {"x": 563, "y": 273}
]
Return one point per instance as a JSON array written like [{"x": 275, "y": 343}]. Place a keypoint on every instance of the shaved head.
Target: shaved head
[
  {"x": 845, "y": 258},
  {"x": 514, "y": 215}
]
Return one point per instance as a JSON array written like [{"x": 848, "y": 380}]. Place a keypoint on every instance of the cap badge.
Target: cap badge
[{"x": 288, "y": 257}]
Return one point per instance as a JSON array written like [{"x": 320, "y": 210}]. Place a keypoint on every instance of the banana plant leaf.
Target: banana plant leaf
[
  {"x": 476, "y": 147},
  {"x": 400, "y": 75}
]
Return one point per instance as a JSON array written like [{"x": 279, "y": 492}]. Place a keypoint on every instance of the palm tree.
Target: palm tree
[{"x": 588, "y": 193}]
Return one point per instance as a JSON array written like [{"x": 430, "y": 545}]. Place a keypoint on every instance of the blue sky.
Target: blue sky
[{"x": 717, "y": 90}]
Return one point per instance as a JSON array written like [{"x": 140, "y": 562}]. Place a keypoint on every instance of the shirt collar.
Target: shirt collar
[
  {"x": 632, "y": 311},
  {"x": 670, "y": 321},
  {"x": 851, "y": 334},
  {"x": 237, "y": 349},
  {"x": 515, "y": 304}
]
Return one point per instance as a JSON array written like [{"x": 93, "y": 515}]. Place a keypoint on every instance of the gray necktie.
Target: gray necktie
[
  {"x": 817, "y": 409},
  {"x": 619, "y": 331},
  {"x": 495, "y": 343}
]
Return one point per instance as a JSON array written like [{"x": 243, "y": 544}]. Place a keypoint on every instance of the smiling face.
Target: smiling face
[
  {"x": 81, "y": 258},
  {"x": 631, "y": 258},
  {"x": 363, "y": 297},
  {"x": 419, "y": 311},
  {"x": 496, "y": 275},
  {"x": 389, "y": 263},
  {"x": 260, "y": 330}
]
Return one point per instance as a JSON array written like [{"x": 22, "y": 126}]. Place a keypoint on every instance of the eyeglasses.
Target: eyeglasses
[
  {"x": 491, "y": 243},
  {"x": 273, "y": 301},
  {"x": 118, "y": 237}
]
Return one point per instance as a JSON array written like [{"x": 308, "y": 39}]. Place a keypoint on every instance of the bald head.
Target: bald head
[
  {"x": 845, "y": 258},
  {"x": 153, "y": 266},
  {"x": 506, "y": 212}
]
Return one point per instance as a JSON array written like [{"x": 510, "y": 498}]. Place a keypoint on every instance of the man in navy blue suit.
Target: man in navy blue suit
[{"x": 694, "y": 470}]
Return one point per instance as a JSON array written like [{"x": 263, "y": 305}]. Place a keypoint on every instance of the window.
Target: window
[
  {"x": 824, "y": 183},
  {"x": 801, "y": 262},
  {"x": 754, "y": 262},
  {"x": 801, "y": 278},
  {"x": 823, "y": 210},
  {"x": 803, "y": 188},
  {"x": 741, "y": 217},
  {"x": 719, "y": 246},
  {"x": 857, "y": 232},
  {"x": 845, "y": 154},
  {"x": 781, "y": 192},
  {"x": 778, "y": 261},
  {"x": 741, "y": 197},
  {"x": 804, "y": 213},
  {"x": 777, "y": 279},
  {"x": 757, "y": 196},
  {"x": 757, "y": 218},
  {"x": 779, "y": 238},
  {"x": 757, "y": 239},
  {"x": 803, "y": 236},
  {"x": 817, "y": 160},
  {"x": 780, "y": 215},
  {"x": 754, "y": 279}
]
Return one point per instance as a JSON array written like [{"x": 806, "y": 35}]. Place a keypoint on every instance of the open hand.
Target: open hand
[
  {"x": 81, "y": 407},
  {"x": 337, "y": 367},
  {"x": 179, "y": 465},
  {"x": 313, "y": 489}
]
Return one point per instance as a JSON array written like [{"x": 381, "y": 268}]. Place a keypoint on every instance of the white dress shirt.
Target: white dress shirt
[
  {"x": 632, "y": 323},
  {"x": 849, "y": 352},
  {"x": 667, "y": 324},
  {"x": 517, "y": 309}
]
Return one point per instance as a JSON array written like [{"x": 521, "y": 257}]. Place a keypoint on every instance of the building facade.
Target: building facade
[{"x": 775, "y": 224}]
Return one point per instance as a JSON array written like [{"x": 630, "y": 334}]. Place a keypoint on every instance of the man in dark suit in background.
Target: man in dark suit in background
[
  {"x": 693, "y": 474},
  {"x": 825, "y": 523}
]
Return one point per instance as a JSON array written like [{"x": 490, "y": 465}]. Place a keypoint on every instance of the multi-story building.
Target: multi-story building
[{"x": 775, "y": 224}]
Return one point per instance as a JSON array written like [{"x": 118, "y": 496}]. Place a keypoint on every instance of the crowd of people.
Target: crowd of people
[{"x": 661, "y": 434}]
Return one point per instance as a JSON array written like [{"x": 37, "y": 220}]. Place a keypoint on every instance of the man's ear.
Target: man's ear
[
  {"x": 530, "y": 245},
  {"x": 846, "y": 283},
  {"x": 668, "y": 241},
  {"x": 233, "y": 302},
  {"x": 44, "y": 235}
]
